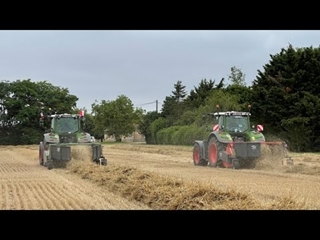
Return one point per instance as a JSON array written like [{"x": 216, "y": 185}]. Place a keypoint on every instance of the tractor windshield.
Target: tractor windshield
[
  {"x": 67, "y": 124},
  {"x": 235, "y": 123}
]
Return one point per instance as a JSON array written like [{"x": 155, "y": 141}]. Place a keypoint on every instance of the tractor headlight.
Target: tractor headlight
[
  {"x": 229, "y": 136},
  {"x": 253, "y": 138}
]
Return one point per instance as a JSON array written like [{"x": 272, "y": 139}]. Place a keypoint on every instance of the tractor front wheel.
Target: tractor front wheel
[
  {"x": 197, "y": 159},
  {"x": 214, "y": 148}
]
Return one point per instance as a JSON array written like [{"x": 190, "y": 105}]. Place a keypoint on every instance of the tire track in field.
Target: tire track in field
[
  {"x": 71, "y": 197},
  {"x": 46, "y": 189},
  {"x": 36, "y": 198},
  {"x": 50, "y": 193},
  {"x": 5, "y": 191},
  {"x": 25, "y": 185},
  {"x": 66, "y": 201},
  {"x": 30, "y": 198},
  {"x": 18, "y": 199}
]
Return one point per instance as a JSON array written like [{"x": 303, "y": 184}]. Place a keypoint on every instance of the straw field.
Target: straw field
[{"x": 150, "y": 177}]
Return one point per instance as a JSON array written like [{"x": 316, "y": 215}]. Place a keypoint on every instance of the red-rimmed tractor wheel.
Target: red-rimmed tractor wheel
[
  {"x": 197, "y": 159},
  {"x": 214, "y": 147}
]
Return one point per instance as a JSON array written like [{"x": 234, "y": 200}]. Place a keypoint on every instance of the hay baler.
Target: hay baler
[{"x": 63, "y": 137}]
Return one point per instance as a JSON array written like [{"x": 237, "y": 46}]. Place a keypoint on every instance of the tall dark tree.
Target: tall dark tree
[
  {"x": 4, "y": 94},
  {"x": 173, "y": 105},
  {"x": 221, "y": 84},
  {"x": 199, "y": 94},
  {"x": 145, "y": 125},
  {"x": 243, "y": 92},
  {"x": 168, "y": 105},
  {"x": 286, "y": 96},
  {"x": 179, "y": 92},
  {"x": 171, "y": 110}
]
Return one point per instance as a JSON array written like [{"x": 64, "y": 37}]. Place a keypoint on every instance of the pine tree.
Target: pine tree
[{"x": 179, "y": 93}]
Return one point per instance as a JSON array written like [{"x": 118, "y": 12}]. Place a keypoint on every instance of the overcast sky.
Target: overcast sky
[{"x": 143, "y": 65}]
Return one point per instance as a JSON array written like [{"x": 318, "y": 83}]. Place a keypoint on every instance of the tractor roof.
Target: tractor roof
[
  {"x": 230, "y": 113},
  {"x": 64, "y": 115}
]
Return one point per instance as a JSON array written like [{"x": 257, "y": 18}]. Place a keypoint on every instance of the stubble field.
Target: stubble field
[{"x": 150, "y": 177}]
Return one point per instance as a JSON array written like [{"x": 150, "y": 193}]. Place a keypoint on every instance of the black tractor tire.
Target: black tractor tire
[
  {"x": 104, "y": 161},
  {"x": 197, "y": 160},
  {"x": 41, "y": 152},
  {"x": 49, "y": 164},
  {"x": 214, "y": 148},
  {"x": 235, "y": 164}
]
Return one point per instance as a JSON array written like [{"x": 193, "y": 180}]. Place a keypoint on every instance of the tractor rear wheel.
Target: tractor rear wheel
[
  {"x": 214, "y": 148},
  {"x": 197, "y": 160}
]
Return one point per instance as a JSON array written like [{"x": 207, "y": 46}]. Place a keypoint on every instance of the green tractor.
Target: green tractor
[
  {"x": 232, "y": 142},
  {"x": 63, "y": 135}
]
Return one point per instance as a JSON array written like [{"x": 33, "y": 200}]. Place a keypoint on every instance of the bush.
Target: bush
[
  {"x": 156, "y": 126},
  {"x": 181, "y": 135}
]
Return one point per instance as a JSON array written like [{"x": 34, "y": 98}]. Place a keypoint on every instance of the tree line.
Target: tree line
[{"x": 284, "y": 96}]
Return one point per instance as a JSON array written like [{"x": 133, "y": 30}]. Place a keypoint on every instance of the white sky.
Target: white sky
[{"x": 143, "y": 65}]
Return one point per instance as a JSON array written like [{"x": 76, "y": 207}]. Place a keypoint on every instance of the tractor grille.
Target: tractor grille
[{"x": 68, "y": 138}]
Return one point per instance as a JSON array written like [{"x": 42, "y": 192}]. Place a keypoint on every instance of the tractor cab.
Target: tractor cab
[
  {"x": 236, "y": 124},
  {"x": 65, "y": 123},
  {"x": 233, "y": 121},
  {"x": 62, "y": 123}
]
